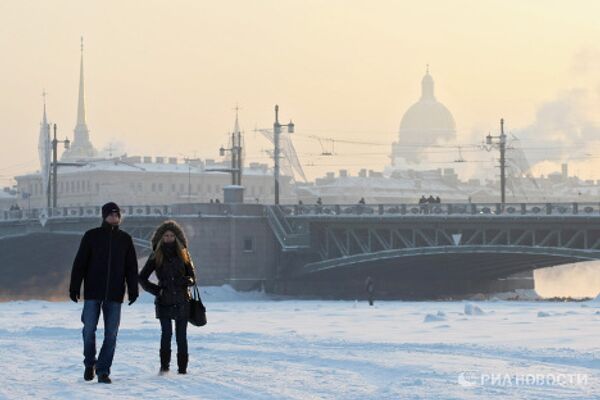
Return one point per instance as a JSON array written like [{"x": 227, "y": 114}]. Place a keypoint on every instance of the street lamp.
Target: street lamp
[
  {"x": 499, "y": 142},
  {"x": 277, "y": 149},
  {"x": 189, "y": 163}
]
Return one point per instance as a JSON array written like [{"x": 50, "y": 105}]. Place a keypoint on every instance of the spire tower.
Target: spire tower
[
  {"x": 81, "y": 129},
  {"x": 82, "y": 147}
]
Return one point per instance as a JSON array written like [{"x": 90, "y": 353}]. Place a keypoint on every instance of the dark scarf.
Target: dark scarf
[{"x": 169, "y": 250}]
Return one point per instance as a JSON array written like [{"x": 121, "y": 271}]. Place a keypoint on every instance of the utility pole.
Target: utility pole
[
  {"x": 277, "y": 149},
  {"x": 55, "y": 165},
  {"x": 502, "y": 161},
  {"x": 48, "y": 189},
  {"x": 236, "y": 159},
  {"x": 54, "y": 169},
  {"x": 234, "y": 164},
  {"x": 500, "y": 143}
]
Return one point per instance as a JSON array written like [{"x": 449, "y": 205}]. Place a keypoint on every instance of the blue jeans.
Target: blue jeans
[{"x": 111, "y": 311}]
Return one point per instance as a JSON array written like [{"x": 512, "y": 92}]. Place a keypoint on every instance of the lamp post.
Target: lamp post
[
  {"x": 499, "y": 142},
  {"x": 277, "y": 149},
  {"x": 189, "y": 163},
  {"x": 55, "y": 165}
]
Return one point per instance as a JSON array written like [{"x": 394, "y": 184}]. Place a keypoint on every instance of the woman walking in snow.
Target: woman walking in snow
[{"x": 171, "y": 263}]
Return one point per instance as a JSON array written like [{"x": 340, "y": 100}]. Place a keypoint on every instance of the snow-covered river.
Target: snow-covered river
[{"x": 256, "y": 347}]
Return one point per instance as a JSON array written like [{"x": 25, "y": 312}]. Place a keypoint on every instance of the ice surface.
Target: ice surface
[{"x": 261, "y": 348}]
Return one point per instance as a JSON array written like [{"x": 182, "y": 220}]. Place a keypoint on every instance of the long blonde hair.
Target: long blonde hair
[{"x": 182, "y": 252}]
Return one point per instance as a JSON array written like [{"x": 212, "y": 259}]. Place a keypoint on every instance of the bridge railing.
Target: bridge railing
[
  {"x": 315, "y": 210},
  {"x": 82, "y": 212},
  {"x": 442, "y": 209}
]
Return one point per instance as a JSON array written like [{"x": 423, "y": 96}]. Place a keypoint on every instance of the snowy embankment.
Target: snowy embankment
[{"x": 257, "y": 348}]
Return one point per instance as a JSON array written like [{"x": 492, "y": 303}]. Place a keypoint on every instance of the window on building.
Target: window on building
[
  {"x": 139, "y": 186},
  {"x": 248, "y": 244},
  {"x": 154, "y": 187},
  {"x": 173, "y": 188},
  {"x": 160, "y": 187},
  {"x": 208, "y": 188},
  {"x": 181, "y": 188}
]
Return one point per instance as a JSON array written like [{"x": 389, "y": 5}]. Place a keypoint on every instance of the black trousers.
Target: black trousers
[{"x": 166, "y": 325}]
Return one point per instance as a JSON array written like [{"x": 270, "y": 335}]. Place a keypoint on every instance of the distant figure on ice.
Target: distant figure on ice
[
  {"x": 362, "y": 201},
  {"x": 171, "y": 263},
  {"x": 319, "y": 202},
  {"x": 438, "y": 200},
  {"x": 105, "y": 263},
  {"x": 370, "y": 288}
]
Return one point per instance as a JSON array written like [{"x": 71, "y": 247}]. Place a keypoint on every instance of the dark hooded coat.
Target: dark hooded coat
[{"x": 174, "y": 276}]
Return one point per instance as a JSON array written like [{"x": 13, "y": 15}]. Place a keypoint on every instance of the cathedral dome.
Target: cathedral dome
[{"x": 425, "y": 123}]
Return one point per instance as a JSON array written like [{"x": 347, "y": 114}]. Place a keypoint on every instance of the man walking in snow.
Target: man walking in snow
[{"x": 105, "y": 262}]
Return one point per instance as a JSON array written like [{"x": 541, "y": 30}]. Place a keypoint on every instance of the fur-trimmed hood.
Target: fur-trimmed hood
[{"x": 172, "y": 226}]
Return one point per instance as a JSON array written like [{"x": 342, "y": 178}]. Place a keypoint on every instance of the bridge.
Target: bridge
[
  {"x": 484, "y": 244},
  {"x": 312, "y": 248}
]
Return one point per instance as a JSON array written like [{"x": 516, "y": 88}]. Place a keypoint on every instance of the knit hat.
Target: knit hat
[{"x": 110, "y": 208}]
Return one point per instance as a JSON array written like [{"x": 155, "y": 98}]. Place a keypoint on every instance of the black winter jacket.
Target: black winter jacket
[
  {"x": 105, "y": 261},
  {"x": 174, "y": 278}
]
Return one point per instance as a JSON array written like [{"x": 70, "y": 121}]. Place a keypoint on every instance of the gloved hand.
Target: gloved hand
[
  {"x": 132, "y": 299},
  {"x": 74, "y": 295}
]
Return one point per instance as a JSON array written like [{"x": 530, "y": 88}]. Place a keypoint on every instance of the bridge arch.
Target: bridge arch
[{"x": 481, "y": 261}]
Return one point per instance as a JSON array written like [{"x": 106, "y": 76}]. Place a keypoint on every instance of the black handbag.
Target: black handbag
[{"x": 197, "y": 315}]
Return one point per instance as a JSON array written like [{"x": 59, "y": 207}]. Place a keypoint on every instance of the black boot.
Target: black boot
[
  {"x": 165, "y": 360},
  {"x": 89, "y": 373},
  {"x": 104, "y": 379},
  {"x": 182, "y": 362}
]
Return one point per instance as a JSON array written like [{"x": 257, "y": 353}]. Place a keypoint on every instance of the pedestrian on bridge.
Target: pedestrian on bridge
[
  {"x": 171, "y": 263},
  {"x": 105, "y": 262}
]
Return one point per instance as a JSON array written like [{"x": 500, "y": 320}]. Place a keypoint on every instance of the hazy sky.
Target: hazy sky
[{"x": 163, "y": 77}]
